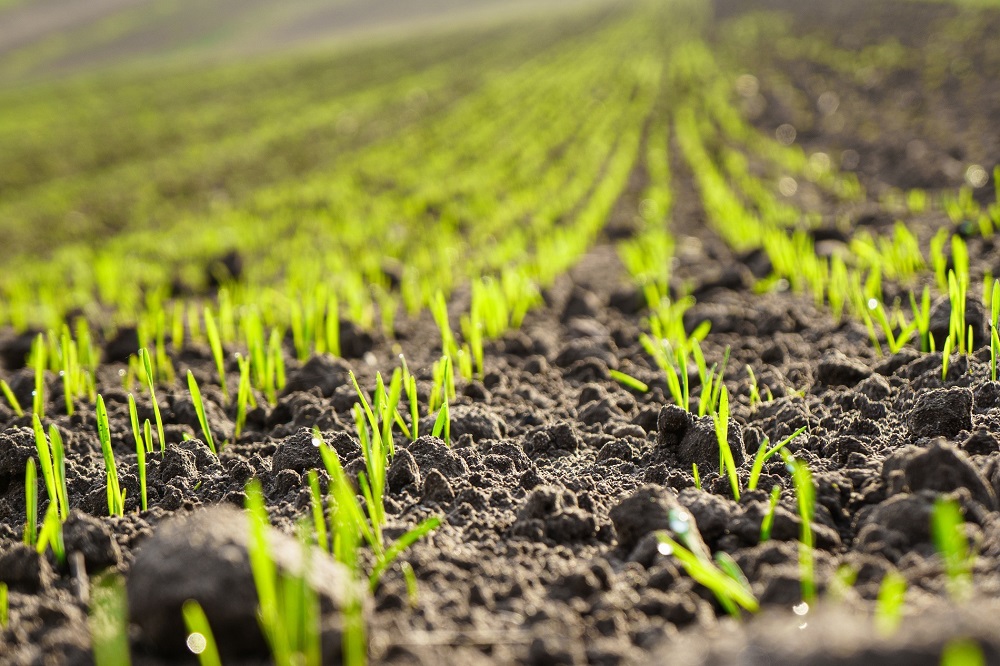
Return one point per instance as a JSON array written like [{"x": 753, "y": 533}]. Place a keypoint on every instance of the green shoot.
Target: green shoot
[
  {"x": 59, "y": 468},
  {"x": 764, "y": 454},
  {"x": 200, "y": 640},
  {"x": 199, "y": 408},
  {"x": 116, "y": 498},
  {"x": 109, "y": 623},
  {"x": 768, "y": 522},
  {"x": 726, "y": 461},
  {"x": 994, "y": 351},
  {"x": 4, "y": 607},
  {"x": 697, "y": 479},
  {"x": 244, "y": 396},
  {"x": 949, "y": 537},
  {"x": 11, "y": 398},
  {"x": 806, "y": 496},
  {"x": 38, "y": 356},
  {"x": 629, "y": 381},
  {"x": 51, "y": 535},
  {"x": 442, "y": 424},
  {"x": 30, "y": 503},
  {"x": 140, "y": 452},
  {"x": 889, "y": 606},
  {"x": 144, "y": 357},
  {"x": 730, "y": 592},
  {"x": 946, "y": 358},
  {"x": 215, "y": 343}
]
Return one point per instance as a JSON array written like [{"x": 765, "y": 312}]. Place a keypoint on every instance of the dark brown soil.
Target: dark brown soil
[{"x": 559, "y": 475}]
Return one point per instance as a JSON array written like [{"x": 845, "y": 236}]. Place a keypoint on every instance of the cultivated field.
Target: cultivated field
[{"x": 624, "y": 332}]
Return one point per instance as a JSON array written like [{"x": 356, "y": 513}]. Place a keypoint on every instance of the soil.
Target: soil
[{"x": 558, "y": 476}]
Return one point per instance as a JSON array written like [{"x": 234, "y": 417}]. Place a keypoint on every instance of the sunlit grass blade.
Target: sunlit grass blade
[
  {"x": 764, "y": 454},
  {"x": 144, "y": 357},
  {"x": 199, "y": 408},
  {"x": 200, "y": 639}
]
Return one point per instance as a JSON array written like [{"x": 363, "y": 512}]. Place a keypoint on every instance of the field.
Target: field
[{"x": 589, "y": 332}]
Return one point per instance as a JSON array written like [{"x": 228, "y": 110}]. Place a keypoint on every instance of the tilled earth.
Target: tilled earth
[{"x": 559, "y": 477}]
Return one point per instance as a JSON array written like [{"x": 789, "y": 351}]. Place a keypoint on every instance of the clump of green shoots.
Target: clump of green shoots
[
  {"x": 116, "y": 498},
  {"x": 199, "y": 408},
  {"x": 289, "y": 613},
  {"x": 349, "y": 516},
  {"x": 53, "y": 463},
  {"x": 722, "y": 576}
]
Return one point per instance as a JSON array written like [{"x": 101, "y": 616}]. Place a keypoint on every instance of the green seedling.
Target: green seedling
[
  {"x": 947, "y": 526},
  {"x": 51, "y": 535},
  {"x": 11, "y": 398},
  {"x": 764, "y": 454},
  {"x": 199, "y": 408},
  {"x": 38, "y": 356},
  {"x": 244, "y": 396},
  {"x": 59, "y": 469},
  {"x": 629, "y": 381},
  {"x": 946, "y": 358},
  {"x": 200, "y": 640},
  {"x": 116, "y": 498},
  {"x": 108, "y": 622},
  {"x": 442, "y": 424},
  {"x": 52, "y": 483},
  {"x": 889, "y": 606},
  {"x": 726, "y": 462},
  {"x": 730, "y": 592},
  {"x": 768, "y": 522},
  {"x": 144, "y": 358},
  {"x": 30, "y": 503},
  {"x": 694, "y": 473},
  {"x": 215, "y": 343},
  {"x": 806, "y": 498}
]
